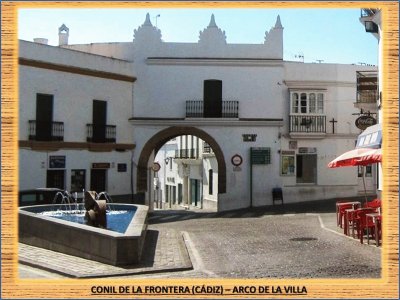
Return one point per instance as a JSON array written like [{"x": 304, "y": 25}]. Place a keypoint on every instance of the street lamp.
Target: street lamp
[{"x": 157, "y": 18}]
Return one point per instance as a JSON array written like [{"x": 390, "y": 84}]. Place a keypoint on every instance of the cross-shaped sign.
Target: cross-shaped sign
[{"x": 333, "y": 121}]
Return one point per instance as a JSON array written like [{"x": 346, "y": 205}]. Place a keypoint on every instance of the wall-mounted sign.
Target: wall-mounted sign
[
  {"x": 249, "y": 137},
  {"x": 292, "y": 144},
  {"x": 236, "y": 160},
  {"x": 57, "y": 162},
  {"x": 121, "y": 167},
  {"x": 287, "y": 165},
  {"x": 260, "y": 155},
  {"x": 362, "y": 122},
  {"x": 156, "y": 167},
  {"x": 237, "y": 169},
  {"x": 101, "y": 165},
  {"x": 287, "y": 152},
  {"x": 307, "y": 150}
]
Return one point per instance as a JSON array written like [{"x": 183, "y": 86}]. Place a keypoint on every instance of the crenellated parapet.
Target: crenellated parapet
[
  {"x": 147, "y": 32},
  {"x": 212, "y": 35}
]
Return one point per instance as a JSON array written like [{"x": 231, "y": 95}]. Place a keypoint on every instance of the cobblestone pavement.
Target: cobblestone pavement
[
  {"x": 290, "y": 241},
  {"x": 164, "y": 251}
]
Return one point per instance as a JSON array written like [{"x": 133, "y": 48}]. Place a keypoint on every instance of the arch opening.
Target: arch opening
[{"x": 161, "y": 138}]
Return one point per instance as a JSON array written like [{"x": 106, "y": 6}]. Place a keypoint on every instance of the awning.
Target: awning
[
  {"x": 357, "y": 157},
  {"x": 370, "y": 137}
]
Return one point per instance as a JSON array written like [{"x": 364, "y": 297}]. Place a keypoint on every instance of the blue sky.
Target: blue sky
[{"x": 331, "y": 35}]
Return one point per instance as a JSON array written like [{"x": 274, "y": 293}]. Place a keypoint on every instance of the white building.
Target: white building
[
  {"x": 271, "y": 123},
  {"x": 188, "y": 175},
  {"x": 372, "y": 21},
  {"x": 74, "y": 108}
]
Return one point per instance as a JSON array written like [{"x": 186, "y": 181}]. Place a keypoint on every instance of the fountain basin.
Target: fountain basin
[{"x": 81, "y": 240}]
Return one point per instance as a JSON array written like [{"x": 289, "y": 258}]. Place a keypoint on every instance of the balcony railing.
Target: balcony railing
[
  {"x": 367, "y": 87},
  {"x": 207, "y": 148},
  {"x": 368, "y": 12},
  {"x": 310, "y": 124},
  {"x": 195, "y": 109},
  {"x": 187, "y": 153},
  {"x": 367, "y": 96},
  {"x": 46, "y": 131},
  {"x": 101, "y": 133}
]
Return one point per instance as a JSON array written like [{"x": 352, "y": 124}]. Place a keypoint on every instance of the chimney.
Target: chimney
[
  {"x": 63, "y": 33},
  {"x": 41, "y": 41}
]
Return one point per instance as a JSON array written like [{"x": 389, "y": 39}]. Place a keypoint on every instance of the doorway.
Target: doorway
[
  {"x": 44, "y": 117},
  {"x": 368, "y": 179},
  {"x": 99, "y": 121},
  {"x": 98, "y": 180},
  {"x": 195, "y": 191},
  {"x": 212, "y": 98},
  {"x": 55, "y": 179}
]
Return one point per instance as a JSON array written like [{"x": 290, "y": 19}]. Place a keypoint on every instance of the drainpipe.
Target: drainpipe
[{"x": 132, "y": 191}]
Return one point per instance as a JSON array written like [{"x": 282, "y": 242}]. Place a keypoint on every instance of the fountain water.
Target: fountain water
[{"x": 61, "y": 226}]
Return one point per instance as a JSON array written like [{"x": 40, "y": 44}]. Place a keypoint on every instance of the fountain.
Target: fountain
[
  {"x": 95, "y": 229},
  {"x": 95, "y": 210}
]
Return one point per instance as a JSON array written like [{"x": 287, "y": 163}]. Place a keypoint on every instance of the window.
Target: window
[
  {"x": 295, "y": 103},
  {"x": 306, "y": 171},
  {"x": 307, "y": 103},
  {"x": 78, "y": 182},
  {"x": 210, "y": 182},
  {"x": 55, "y": 179},
  {"x": 368, "y": 171}
]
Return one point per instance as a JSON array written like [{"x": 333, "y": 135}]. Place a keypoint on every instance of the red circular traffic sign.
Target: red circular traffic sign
[
  {"x": 156, "y": 167},
  {"x": 236, "y": 160}
]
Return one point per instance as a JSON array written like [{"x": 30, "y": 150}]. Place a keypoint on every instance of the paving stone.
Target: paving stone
[{"x": 272, "y": 242}]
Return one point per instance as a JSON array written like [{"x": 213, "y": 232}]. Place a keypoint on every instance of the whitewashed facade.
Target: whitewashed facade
[
  {"x": 57, "y": 89},
  {"x": 258, "y": 111},
  {"x": 188, "y": 177}
]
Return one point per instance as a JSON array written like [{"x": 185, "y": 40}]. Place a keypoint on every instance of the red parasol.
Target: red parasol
[{"x": 357, "y": 157}]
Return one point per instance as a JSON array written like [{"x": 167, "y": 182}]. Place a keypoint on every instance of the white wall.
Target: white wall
[
  {"x": 169, "y": 74},
  {"x": 33, "y": 166},
  {"x": 73, "y": 104},
  {"x": 73, "y": 101}
]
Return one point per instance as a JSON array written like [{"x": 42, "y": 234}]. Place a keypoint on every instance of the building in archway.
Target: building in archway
[
  {"x": 271, "y": 123},
  {"x": 188, "y": 175}
]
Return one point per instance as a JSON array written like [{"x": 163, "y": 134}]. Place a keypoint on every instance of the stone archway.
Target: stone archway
[{"x": 160, "y": 138}]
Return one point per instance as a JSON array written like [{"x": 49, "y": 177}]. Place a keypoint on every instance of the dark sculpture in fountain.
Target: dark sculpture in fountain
[{"x": 95, "y": 210}]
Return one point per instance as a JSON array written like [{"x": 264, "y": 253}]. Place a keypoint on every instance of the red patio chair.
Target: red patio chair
[
  {"x": 374, "y": 203},
  {"x": 361, "y": 223},
  {"x": 341, "y": 212}
]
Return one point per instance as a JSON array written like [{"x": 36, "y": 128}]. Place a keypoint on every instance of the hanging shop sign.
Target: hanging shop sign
[
  {"x": 362, "y": 122},
  {"x": 236, "y": 160}
]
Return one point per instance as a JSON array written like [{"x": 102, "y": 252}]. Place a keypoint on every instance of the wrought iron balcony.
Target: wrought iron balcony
[
  {"x": 195, "y": 109},
  {"x": 305, "y": 123},
  {"x": 46, "y": 131},
  {"x": 187, "y": 153},
  {"x": 367, "y": 87},
  {"x": 101, "y": 133}
]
